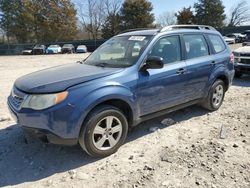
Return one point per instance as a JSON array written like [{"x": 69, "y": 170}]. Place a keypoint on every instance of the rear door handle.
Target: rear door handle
[{"x": 181, "y": 71}]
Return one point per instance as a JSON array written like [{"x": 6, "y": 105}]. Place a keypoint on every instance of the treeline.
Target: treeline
[
  {"x": 209, "y": 12},
  {"x": 38, "y": 20},
  {"x": 64, "y": 20}
]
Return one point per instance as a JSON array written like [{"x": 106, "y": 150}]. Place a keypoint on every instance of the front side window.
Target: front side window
[
  {"x": 168, "y": 48},
  {"x": 196, "y": 46},
  {"x": 217, "y": 43},
  {"x": 121, "y": 51}
]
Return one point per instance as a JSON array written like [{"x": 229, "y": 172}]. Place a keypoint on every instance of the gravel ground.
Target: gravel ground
[{"x": 187, "y": 148}]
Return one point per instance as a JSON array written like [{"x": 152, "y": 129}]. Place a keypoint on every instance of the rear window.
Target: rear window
[{"x": 217, "y": 43}]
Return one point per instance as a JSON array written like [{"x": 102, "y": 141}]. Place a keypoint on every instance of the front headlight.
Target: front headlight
[
  {"x": 40, "y": 102},
  {"x": 236, "y": 54}
]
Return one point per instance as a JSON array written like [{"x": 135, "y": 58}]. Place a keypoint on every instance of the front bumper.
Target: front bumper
[
  {"x": 57, "y": 125},
  {"x": 67, "y": 50},
  {"x": 48, "y": 137},
  {"x": 243, "y": 68},
  {"x": 81, "y": 51},
  {"x": 38, "y": 51},
  {"x": 52, "y": 51}
]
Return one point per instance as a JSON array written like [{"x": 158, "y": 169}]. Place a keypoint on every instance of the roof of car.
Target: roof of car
[
  {"x": 140, "y": 32},
  {"x": 171, "y": 29}
]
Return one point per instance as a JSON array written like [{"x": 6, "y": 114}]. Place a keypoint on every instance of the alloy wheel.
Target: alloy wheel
[{"x": 107, "y": 133}]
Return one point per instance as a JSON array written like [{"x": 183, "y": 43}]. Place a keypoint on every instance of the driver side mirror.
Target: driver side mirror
[{"x": 153, "y": 62}]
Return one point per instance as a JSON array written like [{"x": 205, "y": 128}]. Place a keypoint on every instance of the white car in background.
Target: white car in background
[
  {"x": 229, "y": 40},
  {"x": 54, "y": 49},
  {"x": 81, "y": 49},
  {"x": 242, "y": 61}
]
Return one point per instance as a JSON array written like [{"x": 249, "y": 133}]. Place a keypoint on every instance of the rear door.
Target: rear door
[{"x": 199, "y": 64}]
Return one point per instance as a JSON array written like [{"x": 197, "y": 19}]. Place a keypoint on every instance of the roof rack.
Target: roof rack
[
  {"x": 135, "y": 29},
  {"x": 197, "y": 27}
]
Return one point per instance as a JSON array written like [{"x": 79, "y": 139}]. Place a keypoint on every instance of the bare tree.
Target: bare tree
[
  {"x": 92, "y": 16},
  {"x": 112, "y": 24},
  {"x": 166, "y": 18},
  {"x": 239, "y": 14},
  {"x": 112, "y": 7}
]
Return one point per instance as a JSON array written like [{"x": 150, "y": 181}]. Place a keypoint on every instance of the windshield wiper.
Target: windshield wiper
[
  {"x": 80, "y": 62},
  {"x": 101, "y": 64}
]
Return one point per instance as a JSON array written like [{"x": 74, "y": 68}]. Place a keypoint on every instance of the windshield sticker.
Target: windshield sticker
[{"x": 137, "y": 38}]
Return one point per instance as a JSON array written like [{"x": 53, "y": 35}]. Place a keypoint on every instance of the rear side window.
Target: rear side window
[
  {"x": 196, "y": 46},
  {"x": 217, "y": 43}
]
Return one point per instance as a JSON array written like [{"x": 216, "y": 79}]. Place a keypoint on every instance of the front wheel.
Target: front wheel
[
  {"x": 215, "y": 97},
  {"x": 104, "y": 132}
]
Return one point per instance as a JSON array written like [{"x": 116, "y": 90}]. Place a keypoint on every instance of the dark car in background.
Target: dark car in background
[
  {"x": 68, "y": 48},
  {"x": 238, "y": 37},
  {"x": 247, "y": 42},
  {"x": 39, "y": 49}
]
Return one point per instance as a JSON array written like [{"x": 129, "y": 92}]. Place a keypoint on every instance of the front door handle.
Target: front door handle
[
  {"x": 181, "y": 71},
  {"x": 213, "y": 63}
]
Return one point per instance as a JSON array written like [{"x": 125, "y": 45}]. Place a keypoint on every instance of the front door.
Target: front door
[{"x": 159, "y": 89}]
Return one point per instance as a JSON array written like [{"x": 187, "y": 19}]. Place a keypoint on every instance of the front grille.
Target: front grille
[
  {"x": 16, "y": 98},
  {"x": 245, "y": 61},
  {"x": 16, "y": 101},
  {"x": 245, "y": 54}
]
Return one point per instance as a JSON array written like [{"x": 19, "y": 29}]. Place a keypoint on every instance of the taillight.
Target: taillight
[{"x": 231, "y": 58}]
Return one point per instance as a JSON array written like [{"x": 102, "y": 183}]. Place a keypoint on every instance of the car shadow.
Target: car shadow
[
  {"x": 27, "y": 160},
  {"x": 244, "y": 81}
]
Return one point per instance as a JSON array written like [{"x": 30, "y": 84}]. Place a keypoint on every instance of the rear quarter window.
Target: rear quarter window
[{"x": 217, "y": 43}]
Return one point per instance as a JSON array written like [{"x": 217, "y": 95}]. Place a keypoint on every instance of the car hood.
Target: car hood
[
  {"x": 60, "y": 78},
  {"x": 245, "y": 49}
]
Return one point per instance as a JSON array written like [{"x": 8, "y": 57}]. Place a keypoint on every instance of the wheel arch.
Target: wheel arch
[
  {"x": 221, "y": 74},
  {"x": 121, "y": 98},
  {"x": 224, "y": 79}
]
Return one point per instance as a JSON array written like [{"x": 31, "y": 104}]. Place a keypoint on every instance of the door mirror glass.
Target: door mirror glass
[{"x": 153, "y": 62}]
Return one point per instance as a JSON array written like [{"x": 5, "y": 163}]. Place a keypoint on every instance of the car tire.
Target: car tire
[
  {"x": 104, "y": 131},
  {"x": 215, "y": 96},
  {"x": 238, "y": 74}
]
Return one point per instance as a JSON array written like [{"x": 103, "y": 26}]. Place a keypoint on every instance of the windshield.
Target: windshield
[
  {"x": 53, "y": 46},
  {"x": 39, "y": 46},
  {"x": 122, "y": 51},
  {"x": 67, "y": 45}
]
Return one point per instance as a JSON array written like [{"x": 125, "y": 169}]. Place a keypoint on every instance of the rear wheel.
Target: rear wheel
[
  {"x": 104, "y": 132},
  {"x": 215, "y": 97}
]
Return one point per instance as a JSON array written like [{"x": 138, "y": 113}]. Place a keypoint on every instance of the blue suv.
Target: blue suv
[{"x": 133, "y": 77}]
